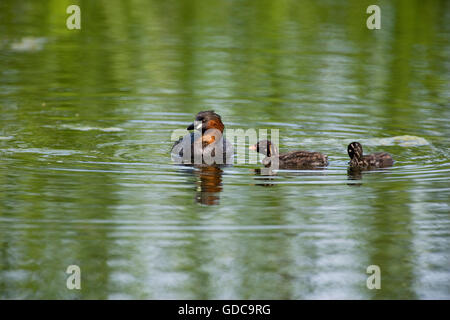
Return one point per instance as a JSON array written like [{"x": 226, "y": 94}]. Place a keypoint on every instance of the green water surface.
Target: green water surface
[{"x": 86, "y": 179}]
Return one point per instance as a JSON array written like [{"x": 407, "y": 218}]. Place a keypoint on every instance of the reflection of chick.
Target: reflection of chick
[
  {"x": 354, "y": 174},
  {"x": 264, "y": 178},
  {"x": 209, "y": 184}
]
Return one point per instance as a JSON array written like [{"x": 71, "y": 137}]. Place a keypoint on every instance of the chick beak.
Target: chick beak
[
  {"x": 191, "y": 127},
  {"x": 253, "y": 147}
]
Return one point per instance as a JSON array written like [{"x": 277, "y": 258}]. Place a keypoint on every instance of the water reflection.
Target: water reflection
[
  {"x": 264, "y": 177},
  {"x": 83, "y": 150},
  {"x": 209, "y": 184},
  {"x": 354, "y": 174},
  {"x": 357, "y": 174}
]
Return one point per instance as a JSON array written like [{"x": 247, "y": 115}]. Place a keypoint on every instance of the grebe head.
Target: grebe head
[{"x": 205, "y": 120}]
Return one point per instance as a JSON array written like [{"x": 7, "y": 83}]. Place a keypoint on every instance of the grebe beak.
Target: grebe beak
[{"x": 197, "y": 125}]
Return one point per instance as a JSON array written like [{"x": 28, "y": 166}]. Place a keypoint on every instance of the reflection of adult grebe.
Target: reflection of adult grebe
[
  {"x": 289, "y": 160},
  {"x": 209, "y": 184},
  {"x": 205, "y": 142}
]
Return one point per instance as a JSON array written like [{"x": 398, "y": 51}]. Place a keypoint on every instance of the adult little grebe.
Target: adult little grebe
[
  {"x": 375, "y": 160},
  {"x": 207, "y": 141},
  {"x": 289, "y": 160}
]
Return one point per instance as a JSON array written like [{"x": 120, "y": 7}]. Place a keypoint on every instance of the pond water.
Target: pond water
[{"x": 85, "y": 133}]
